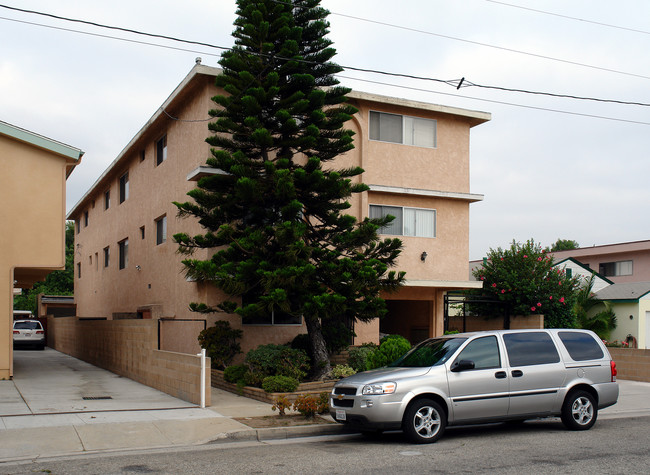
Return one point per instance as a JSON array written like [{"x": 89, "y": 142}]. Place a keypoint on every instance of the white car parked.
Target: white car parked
[{"x": 29, "y": 333}]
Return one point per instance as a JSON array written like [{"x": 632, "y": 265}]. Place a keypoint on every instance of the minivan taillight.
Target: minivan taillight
[
  {"x": 16, "y": 332},
  {"x": 612, "y": 365},
  {"x": 40, "y": 332}
]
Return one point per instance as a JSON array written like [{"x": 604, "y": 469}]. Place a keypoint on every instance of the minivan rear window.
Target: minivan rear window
[
  {"x": 28, "y": 326},
  {"x": 581, "y": 346},
  {"x": 530, "y": 348}
]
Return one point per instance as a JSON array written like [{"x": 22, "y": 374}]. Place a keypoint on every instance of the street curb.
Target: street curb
[{"x": 279, "y": 433}]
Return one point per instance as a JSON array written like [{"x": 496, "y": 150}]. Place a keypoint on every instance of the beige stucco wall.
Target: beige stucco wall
[{"x": 32, "y": 192}]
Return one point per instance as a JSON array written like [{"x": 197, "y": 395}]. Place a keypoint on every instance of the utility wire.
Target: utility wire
[
  {"x": 454, "y": 82},
  {"x": 495, "y": 101},
  {"x": 608, "y": 25}
]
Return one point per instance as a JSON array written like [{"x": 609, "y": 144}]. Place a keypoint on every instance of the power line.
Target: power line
[
  {"x": 546, "y": 109},
  {"x": 608, "y": 25},
  {"x": 455, "y": 82}
]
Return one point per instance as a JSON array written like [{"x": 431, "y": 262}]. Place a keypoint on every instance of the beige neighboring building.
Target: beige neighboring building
[
  {"x": 127, "y": 265},
  {"x": 32, "y": 244}
]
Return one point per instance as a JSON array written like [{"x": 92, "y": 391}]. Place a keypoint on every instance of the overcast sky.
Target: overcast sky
[{"x": 545, "y": 175}]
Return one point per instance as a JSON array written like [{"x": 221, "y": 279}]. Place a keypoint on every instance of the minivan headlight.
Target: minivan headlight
[{"x": 379, "y": 388}]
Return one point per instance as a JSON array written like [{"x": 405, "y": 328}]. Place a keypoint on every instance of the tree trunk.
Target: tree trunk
[{"x": 321, "y": 364}]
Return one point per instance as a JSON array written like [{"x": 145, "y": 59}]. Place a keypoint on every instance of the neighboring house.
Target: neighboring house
[
  {"x": 32, "y": 191},
  {"x": 127, "y": 265},
  {"x": 631, "y": 303},
  {"x": 576, "y": 269},
  {"x": 623, "y": 262}
]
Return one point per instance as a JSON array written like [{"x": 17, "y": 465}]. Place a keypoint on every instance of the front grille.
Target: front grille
[
  {"x": 343, "y": 402},
  {"x": 345, "y": 391}
]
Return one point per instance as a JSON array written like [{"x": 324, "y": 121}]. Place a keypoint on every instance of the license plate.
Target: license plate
[{"x": 340, "y": 415}]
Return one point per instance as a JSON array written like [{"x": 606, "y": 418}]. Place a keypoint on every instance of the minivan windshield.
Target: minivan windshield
[{"x": 432, "y": 352}]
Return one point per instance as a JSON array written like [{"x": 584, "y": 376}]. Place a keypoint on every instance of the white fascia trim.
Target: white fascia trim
[
  {"x": 456, "y": 284},
  {"x": 201, "y": 171},
  {"x": 40, "y": 141},
  {"x": 450, "y": 195}
]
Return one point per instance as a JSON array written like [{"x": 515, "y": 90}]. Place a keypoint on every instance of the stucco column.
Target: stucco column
[{"x": 6, "y": 322}]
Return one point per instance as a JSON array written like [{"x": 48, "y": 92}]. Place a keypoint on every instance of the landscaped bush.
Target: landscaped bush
[
  {"x": 309, "y": 405},
  {"x": 358, "y": 357},
  {"x": 220, "y": 343},
  {"x": 279, "y": 384},
  {"x": 342, "y": 371},
  {"x": 390, "y": 348},
  {"x": 236, "y": 373},
  {"x": 276, "y": 360}
]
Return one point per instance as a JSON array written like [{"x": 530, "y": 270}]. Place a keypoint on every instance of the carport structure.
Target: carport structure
[{"x": 32, "y": 192}]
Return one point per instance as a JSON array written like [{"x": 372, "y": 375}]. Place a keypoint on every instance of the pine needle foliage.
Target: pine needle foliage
[{"x": 276, "y": 212}]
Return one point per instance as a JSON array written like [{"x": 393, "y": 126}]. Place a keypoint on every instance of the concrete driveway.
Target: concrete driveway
[{"x": 50, "y": 382}]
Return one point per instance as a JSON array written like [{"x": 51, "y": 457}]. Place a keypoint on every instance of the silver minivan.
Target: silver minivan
[{"x": 482, "y": 377}]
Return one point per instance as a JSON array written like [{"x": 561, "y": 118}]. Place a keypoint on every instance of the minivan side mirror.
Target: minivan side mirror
[{"x": 462, "y": 365}]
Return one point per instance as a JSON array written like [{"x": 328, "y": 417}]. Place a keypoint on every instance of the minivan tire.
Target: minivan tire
[
  {"x": 579, "y": 411},
  {"x": 424, "y": 421}
]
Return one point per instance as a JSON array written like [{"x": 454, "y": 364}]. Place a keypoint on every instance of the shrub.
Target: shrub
[
  {"x": 391, "y": 348},
  {"x": 220, "y": 343},
  {"x": 276, "y": 360},
  {"x": 323, "y": 402},
  {"x": 342, "y": 371},
  {"x": 281, "y": 404},
  {"x": 279, "y": 384},
  {"x": 309, "y": 405},
  {"x": 358, "y": 357},
  {"x": 236, "y": 373}
]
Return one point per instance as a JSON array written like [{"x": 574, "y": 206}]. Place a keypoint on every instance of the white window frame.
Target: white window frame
[
  {"x": 405, "y": 120},
  {"x": 432, "y": 210}
]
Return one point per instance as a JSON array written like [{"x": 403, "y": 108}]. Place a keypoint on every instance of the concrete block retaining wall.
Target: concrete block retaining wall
[
  {"x": 128, "y": 348},
  {"x": 632, "y": 364}
]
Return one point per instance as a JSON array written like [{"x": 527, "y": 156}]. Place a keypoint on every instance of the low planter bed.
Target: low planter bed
[{"x": 315, "y": 387}]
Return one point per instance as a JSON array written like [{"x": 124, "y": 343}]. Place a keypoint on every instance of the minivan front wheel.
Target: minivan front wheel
[
  {"x": 424, "y": 421},
  {"x": 579, "y": 411}
]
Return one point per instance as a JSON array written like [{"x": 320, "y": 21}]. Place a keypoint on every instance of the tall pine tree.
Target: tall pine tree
[{"x": 276, "y": 213}]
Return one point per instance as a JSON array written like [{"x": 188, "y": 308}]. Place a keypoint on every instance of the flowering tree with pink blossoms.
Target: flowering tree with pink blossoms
[{"x": 523, "y": 276}]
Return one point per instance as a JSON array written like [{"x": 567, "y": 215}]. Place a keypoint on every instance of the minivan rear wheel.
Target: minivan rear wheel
[
  {"x": 579, "y": 411},
  {"x": 424, "y": 421}
]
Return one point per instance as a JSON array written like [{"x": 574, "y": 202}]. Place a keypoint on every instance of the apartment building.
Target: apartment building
[{"x": 416, "y": 161}]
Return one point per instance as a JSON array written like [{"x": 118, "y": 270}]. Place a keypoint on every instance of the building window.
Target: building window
[
  {"x": 161, "y": 230},
  {"x": 107, "y": 199},
  {"x": 123, "y": 253},
  {"x": 416, "y": 222},
  {"x": 161, "y": 150},
  {"x": 614, "y": 269},
  {"x": 86, "y": 219},
  {"x": 142, "y": 156},
  {"x": 124, "y": 187},
  {"x": 264, "y": 317},
  {"x": 77, "y": 225},
  {"x": 79, "y": 270},
  {"x": 141, "y": 232},
  {"x": 403, "y": 129},
  {"x": 107, "y": 256}
]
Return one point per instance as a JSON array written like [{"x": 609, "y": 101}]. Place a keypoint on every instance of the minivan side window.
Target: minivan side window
[
  {"x": 484, "y": 352},
  {"x": 581, "y": 346},
  {"x": 530, "y": 348}
]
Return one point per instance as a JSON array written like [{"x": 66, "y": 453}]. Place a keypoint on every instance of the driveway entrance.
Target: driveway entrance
[{"x": 50, "y": 382}]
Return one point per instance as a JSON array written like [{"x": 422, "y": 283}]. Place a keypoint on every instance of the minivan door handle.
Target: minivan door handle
[
  {"x": 500, "y": 375},
  {"x": 517, "y": 373}
]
